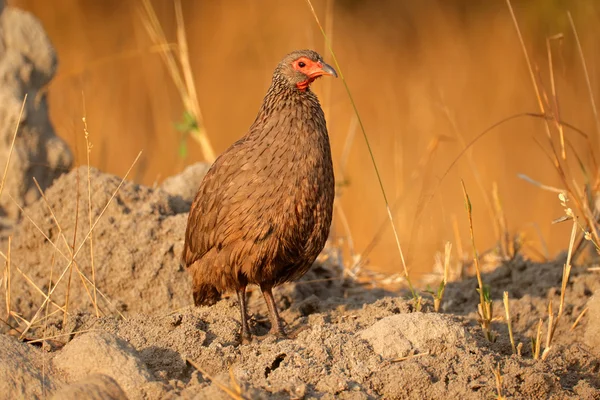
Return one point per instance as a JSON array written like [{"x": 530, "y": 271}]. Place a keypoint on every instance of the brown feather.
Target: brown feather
[{"x": 263, "y": 211}]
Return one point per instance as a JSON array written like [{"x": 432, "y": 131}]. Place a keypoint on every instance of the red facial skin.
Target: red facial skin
[{"x": 311, "y": 69}]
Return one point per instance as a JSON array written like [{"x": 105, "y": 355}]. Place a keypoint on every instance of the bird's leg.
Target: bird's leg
[
  {"x": 276, "y": 325},
  {"x": 241, "y": 293}
]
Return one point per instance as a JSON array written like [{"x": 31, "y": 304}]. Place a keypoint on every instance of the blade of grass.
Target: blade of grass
[
  {"x": 184, "y": 85},
  {"x": 578, "y": 319},
  {"x": 485, "y": 302},
  {"x": 585, "y": 72},
  {"x": 88, "y": 147},
  {"x": 371, "y": 154},
  {"x": 7, "y": 280},
  {"x": 68, "y": 292},
  {"x": 555, "y": 105},
  {"x": 498, "y": 378},
  {"x": 508, "y": 322},
  {"x": 529, "y": 66}
]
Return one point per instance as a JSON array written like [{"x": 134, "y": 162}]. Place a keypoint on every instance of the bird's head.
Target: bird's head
[{"x": 302, "y": 67}]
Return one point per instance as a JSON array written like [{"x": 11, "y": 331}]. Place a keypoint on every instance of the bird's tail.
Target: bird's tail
[{"x": 205, "y": 294}]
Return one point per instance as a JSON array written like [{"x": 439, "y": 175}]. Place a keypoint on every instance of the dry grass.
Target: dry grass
[
  {"x": 484, "y": 309},
  {"x": 415, "y": 295},
  {"x": 181, "y": 72},
  {"x": 88, "y": 146},
  {"x": 583, "y": 200},
  {"x": 509, "y": 322},
  {"x": 498, "y": 378},
  {"x": 75, "y": 252}
]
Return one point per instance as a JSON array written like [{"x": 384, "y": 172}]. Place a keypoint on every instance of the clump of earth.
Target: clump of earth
[{"x": 138, "y": 336}]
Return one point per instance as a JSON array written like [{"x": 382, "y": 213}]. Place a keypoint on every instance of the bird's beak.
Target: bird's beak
[{"x": 323, "y": 69}]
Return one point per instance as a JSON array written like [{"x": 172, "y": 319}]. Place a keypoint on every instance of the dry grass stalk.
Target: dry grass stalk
[
  {"x": 536, "y": 342},
  {"x": 508, "y": 322},
  {"x": 84, "y": 279},
  {"x": 559, "y": 126},
  {"x": 484, "y": 307},
  {"x": 185, "y": 84},
  {"x": 416, "y": 297},
  {"x": 16, "y": 316},
  {"x": 67, "y": 294},
  {"x": 553, "y": 321},
  {"x": 529, "y": 67},
  {"x": 32, "y": 283},
  {"x": 26, "y": 215},
  {"x": 581, "y": 314},
  {"x": 550, "y": 331},
  {"x": 539, "y": 184},
  {"x": 235, "y": 393},
  {"x": 36, "y": 315},
  {"x": 408, "y": 357},
  {"x": 439, "y": 295},
  {"x": 7, "y": 276},
  {"x": 498, "y": 378},
  {"x": 46, "y": 328},
  {"x": 7, "y": 280},
  {"x": 88, "y": 146},
  {"x": 580, "y": 202},
  {"x": 421, "y": 168},
  {"x": 326, "y": 87},
  {"x": 567, "y": 266},
  {"x": 43, "y": 339},
  {"x": 586, "y": 74}
]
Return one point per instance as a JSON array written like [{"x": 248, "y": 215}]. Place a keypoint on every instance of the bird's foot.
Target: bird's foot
[
  {"x": 280, "y": 333},
  {"x": 293, "y": 334}
]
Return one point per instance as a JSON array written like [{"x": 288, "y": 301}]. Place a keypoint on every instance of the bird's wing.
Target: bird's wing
[{"x": 233, "y": 205}]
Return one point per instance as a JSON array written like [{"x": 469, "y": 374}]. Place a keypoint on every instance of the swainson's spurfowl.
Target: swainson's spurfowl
[{"x": 263, "y": 211}]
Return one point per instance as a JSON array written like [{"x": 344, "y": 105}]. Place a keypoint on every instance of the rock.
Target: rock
[
  {"x": 397, "y": 335},
  {"x": 93, "y": 387},
  {"x": 591, "y": 337},
  {"x": 185, "y": 184},
  {"x": 24, "y": 371},
  {"x": 104, "y": 353},
  {"x": 27, "y": 63}
]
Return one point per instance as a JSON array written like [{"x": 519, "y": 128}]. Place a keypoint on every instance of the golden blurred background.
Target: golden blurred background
[{"x": 427, "y": 76}]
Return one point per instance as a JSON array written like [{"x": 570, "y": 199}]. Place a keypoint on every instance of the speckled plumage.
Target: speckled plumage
[{"x": 263, "y": 211}]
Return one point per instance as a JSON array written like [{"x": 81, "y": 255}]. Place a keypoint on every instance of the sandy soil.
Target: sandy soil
[{"x": 150, "y": 342}]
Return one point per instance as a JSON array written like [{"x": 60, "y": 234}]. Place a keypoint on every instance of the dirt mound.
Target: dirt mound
[
  {"x": 136, "y": 247},
  {"x": 93, "y": 387},
  {"x": 24, "y": 371},
  {"x": 354, "y": 342},
  {"x": 337, "y": 355},
  {"x": 187, "y": 182}
]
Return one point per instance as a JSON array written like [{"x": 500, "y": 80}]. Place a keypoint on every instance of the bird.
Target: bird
[{"x": 263, "y": 211}]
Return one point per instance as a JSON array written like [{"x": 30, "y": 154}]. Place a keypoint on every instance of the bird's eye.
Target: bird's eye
[{"x": 301, "y": 64}]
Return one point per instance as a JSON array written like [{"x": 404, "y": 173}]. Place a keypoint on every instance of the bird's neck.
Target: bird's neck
[{"x": 284, "y": 105}]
